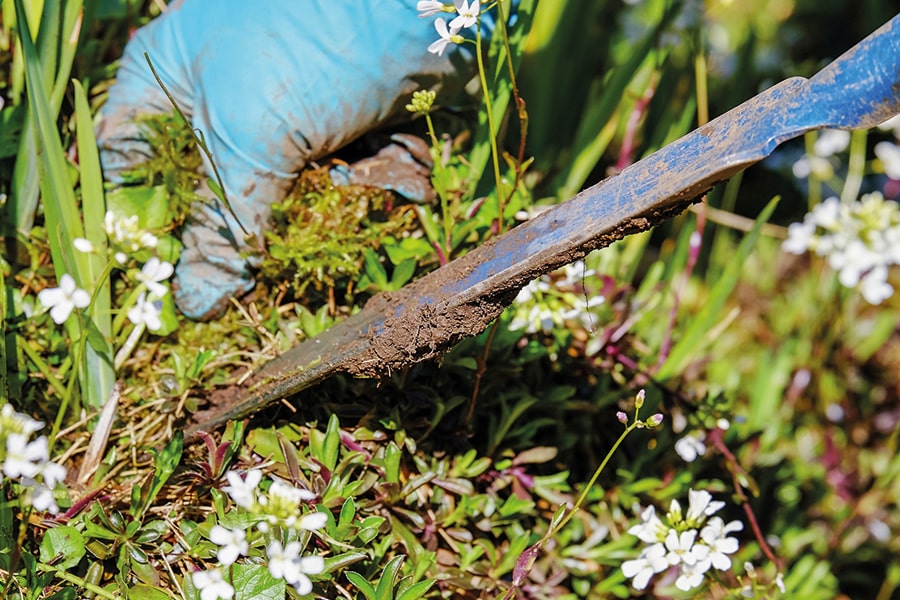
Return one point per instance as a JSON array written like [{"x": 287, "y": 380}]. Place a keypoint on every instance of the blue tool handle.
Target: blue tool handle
[{"x": 462, "y": 298}]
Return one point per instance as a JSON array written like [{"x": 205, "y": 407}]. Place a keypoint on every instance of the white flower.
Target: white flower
[
  {"x": 692, "y": 575},
  {"x": 779, "y": 581},
  {"x": 286, "y": 563},
  {"x": 24, "y": 459},
  {"x": 447, "y": 37},
  {"x": 312, "y": 521},
  {"x": 715, "y": 535},
  {"x": 282, "y": 559},
  {"x": 146, "y": 312},
  {"x": 16, "y": 422},
  {"x": 690, "y": 446},
  {"x": 39, "y": 496},
  {"x": 800, "y": 236},
  {"x": 821, "y": 167},
  {"x": 468, "y": 15},
  {"x": 892, "y": 124},
  {"x": 860, "y": 240},
  {"x": 889, "y": 155},
  {"x": 651, "y": 529},
  {"x": 126, "y": 233},
  {"x": 830, "y": 142},
  {"x": 212, "y": 585},
  {"x": 233, "y": 543},
  {"x": 428, "y": 8},
  {"x": 700, "y": 506},
  {"x": 83, "y": 245},
  {"x": 154, "y": 271},
  {"x": 652, "y": 560},
  {"x": 52, "y": 473},
  {"x": 681, "y": 547},
  {"x": 63, "y": 299},
  {"x": 874, "y": 286},
  {"x": 281, "y": 505},
  {"x": 243, "y": 491}
]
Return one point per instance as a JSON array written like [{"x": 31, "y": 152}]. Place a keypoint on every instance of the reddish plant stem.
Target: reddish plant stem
[
  {"x": 715, "y": 437},
  {"x": 626, "y": 154}
]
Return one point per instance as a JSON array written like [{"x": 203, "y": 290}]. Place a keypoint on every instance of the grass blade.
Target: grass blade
[{"x": 700, "y": 324}]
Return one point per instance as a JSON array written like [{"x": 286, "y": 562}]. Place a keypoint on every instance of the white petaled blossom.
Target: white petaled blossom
[
  {"x": 691, "y": 543},
  {"x": 28, "y": 462},
  {"x": 830, "y": 142},
  {"x": 280, "y": 505},
  {"x": 83, "y": 245},
  {"x": 651, "y": 529},
  {"x": 860, "y": 240},
  {"x": 16, "y": 422},
  {"x": 212, "y": 585},
  {"x": 889, "y": 155},
  {"x": 286, "y": 563},
  {"x": 64, "y": 299},
  {"x": 233, "y": 543},
  {"x": 691, "y": 446},
  {"x": 146, "y": 312},
  {"x": 552, "y": 300},
  {"x": 468, "y": 14},
  {"x": 152, "y": 273},
  {"x": 429, "y": 8},
  {"x": 38, "y": 496},
  {"x": 24, "y": 458},
  {"x": 651, "y": 561},
  {"x": 715, "y": 535},
  {"x": 820, "y": 163},
  {"x": 243, "y": 491},
  {"x": 892, "y": 124},
  {"x": 447, "y": 37}
]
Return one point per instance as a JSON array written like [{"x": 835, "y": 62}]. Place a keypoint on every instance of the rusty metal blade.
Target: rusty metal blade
[{"x": 859, "y": 89}]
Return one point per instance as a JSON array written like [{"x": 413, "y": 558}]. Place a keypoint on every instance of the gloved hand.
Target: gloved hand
[{"x": 272, "y": 85}]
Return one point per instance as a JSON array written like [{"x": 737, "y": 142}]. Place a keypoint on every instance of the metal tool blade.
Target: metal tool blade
[{"x": 859, "y": 89}]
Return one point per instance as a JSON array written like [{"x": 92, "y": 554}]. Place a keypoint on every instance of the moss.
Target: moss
[{"x": 319, "y": 233}]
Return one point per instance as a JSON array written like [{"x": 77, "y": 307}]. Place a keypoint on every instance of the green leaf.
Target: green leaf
[
  {"x": 367, "y": 589},
  {"x": 146, "y": 592},
  {"x": 164, "y": 463},
  {"x": 63, "y": 545},
  {"x": 150, "y": 204},
  {"x": 385, "y": 589},
  {"x": 325, "y": 447},
  {"x": 255, "y": 582},
  {"x": 416, "y": 591},
  {"x": 375, "y": 270}
]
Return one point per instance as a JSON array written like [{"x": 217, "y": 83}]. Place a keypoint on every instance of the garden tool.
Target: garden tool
[{"x": 860, "y": 89}]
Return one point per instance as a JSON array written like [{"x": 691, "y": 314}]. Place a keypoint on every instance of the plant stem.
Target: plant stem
[
  {"x": 590, "y": 484},
  {"x": 495, "y": 155},
  {"x": 74, "y": 579}
]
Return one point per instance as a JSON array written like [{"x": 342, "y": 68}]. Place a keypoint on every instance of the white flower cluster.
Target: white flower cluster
[
  {"x": 124, "y": 235},
  {"x": 278, "y": 506},
  {"x": 859, "y": 239},
  {"x": 553, "y": 299},
  {"x": 28, "y": 462},
  {"x": 822, "y": 162},
  {"x": 693, "y": 543},
  {"x": 466, "y": 16}
]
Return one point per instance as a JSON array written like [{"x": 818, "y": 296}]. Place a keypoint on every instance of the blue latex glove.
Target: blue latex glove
[{"x": 272, "y": 85}]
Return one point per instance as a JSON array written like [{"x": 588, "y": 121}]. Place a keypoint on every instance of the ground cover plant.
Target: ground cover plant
[{"x": 709, "y": 409}]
